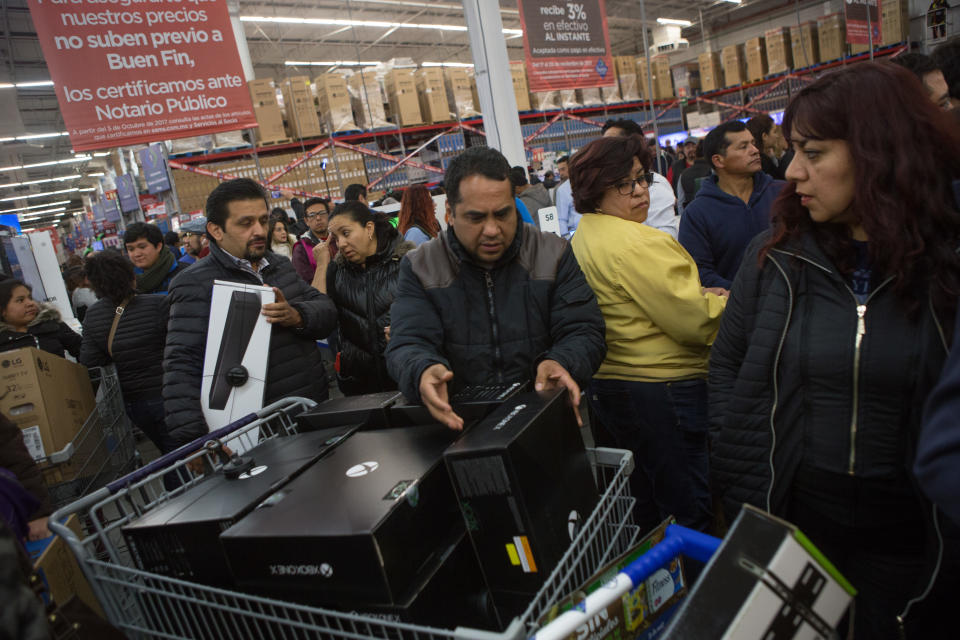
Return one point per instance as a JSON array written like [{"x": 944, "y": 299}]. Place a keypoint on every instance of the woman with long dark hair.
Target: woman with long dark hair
[
  {"x": 138, "y": 341},
  {"x": 24, "y": 322},
  {"x": 417, "y": 221},
  {"x": 279, "y": 239},
  {"x": 836, "y": 330},
  {"x": 362, "y": 281}
]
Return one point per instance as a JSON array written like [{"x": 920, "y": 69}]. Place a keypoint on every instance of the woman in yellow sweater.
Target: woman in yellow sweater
[{"x": 650, "y": 393}]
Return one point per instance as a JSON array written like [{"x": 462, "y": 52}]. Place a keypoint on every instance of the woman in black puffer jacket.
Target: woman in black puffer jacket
[
  {"x": 137, "y": 349},
  {"x": 24, "y": 322},
  {"x": 362, "y": 281}
]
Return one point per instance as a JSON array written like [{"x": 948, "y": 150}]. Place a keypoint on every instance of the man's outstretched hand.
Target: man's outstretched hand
[
  {"x": 433, "y": 393},
  {"x": 552, "y": 375}
]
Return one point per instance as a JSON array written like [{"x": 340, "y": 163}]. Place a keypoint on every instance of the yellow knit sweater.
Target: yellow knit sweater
[{"x": 659, "y": 325}]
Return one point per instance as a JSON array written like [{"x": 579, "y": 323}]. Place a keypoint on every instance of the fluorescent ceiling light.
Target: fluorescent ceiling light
[
  {"x": 36, "y": 206},
  {"x": 46, "y": 164},
  {"x": 331, "y": 63},
  {"x": 29, "y": 182},
  {"x": 26, "y": 85},
  {"x": 96, "y": 175},
  {"x": 733, "y": 1},
  {"x": 101, "y": 154},
  {"x": 376, "y": 24},
  {"x": 35, "y": 136},
  {"x": 40, "y": 214},
  {"x": 681, "y": 23},
  {"x": 87, "y": 189},
  {"x": 446, "y": 64},
  {"x": 27, "y": 196},
  {"x": 428, "y": 5}
]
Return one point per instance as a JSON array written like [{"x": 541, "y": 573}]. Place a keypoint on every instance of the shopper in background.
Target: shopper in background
[
  {"x": 650, "y": 393},
  {"x": 684, "y": 161},
  {"x": 82, "y": 297},
  {"x": 26, "y": 323},
  {"x": 834, "y": 335},
  {"x": 237, "y": 217},
  {"x": 316, "y": 215},
  {"x": 280, "y": 241},
  {"x": 136, "y": 348},
  {"x": 947, "y": 58},
  {"x": 769, "y": 141},
  {"x": 356, "y": 192},
  {"x": 172, "y": 240},
  {"x": 474, "y": 308},
  {"x": 731, "y": 206},
  {"x": 154, "y": 263},
  {"x": 534, "y": 197},
  {"x": 563, "y": 168},
  {"x": 17, "y": 459},
  {"x": 692, "y": 179},
  {"x": 362, "y": 282},
  {"x": 417, "y": 221},
  {"x": 929, "y": 74},
  {"x": 194, "y": 240}
]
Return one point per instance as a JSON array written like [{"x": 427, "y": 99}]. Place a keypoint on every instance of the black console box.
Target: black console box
[
  {"x": 471, "y": 403},
  {"x": 362, "y": 526},
  {"x": 368, "y": 411},
  {"x": 181, "y": 537},
  {"x": 525, "y": 486}
]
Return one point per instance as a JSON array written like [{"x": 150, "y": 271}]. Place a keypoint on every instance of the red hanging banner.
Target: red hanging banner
[
  {"x": 566, "y": 44},
  {"x": 858, "y": 14},
  {"x": 135, "y": 71}
]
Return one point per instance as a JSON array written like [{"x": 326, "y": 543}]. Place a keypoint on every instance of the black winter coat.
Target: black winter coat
[
  {"x": 363, "y": 297},
  {"x": 137, "y": 345},
  {"x": 493, "y": 325},
  {"x": 49, "y": 334},
  {"x": 775, "y": 401},
  {"x": 295, "y": 367}
]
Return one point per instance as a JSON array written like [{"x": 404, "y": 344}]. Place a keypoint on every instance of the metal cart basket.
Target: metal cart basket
[
  {"x": 102, "y": 450},
  {"x": 144, "y": 604}
]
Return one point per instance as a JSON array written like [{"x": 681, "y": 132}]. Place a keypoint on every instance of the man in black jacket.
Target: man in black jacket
[
  {"x": 490, "y": 300},
  {"x": 237, "y": 217}
]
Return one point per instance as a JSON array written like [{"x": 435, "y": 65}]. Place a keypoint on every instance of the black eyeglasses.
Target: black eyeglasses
[{"x": 626, "y": 187}]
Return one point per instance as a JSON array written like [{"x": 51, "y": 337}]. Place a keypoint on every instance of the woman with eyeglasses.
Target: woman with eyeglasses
[{"x": 650, "y": 393}]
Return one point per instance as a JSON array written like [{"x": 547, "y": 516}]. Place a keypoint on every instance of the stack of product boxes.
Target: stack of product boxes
[
  {"x": 711, "y": 72},
  {"x": 460, "y": 93},
  {"x": 686, "y": 78},
  {"x": 662, "y": 79},
  {"x": 627, "y": 72},
  {"x": 401, "y": 88},
  {"x": 833, "y": 37},
  {"x": 433, "y": 95},
  {"x": 806, "y": 45},
  {"x": 333, "y": 99},
  {"x": 894, "y": 21},
  {"x": 779, "y": 51},
  {"x": 302, "y": 118},
  {"x": 265, "y": 107},
  {"x": 521, "y": 90},
  {"x": 756, "y": 58},
  {"x": 734, "y": 65},
  {"x": 366, "y": 99}
]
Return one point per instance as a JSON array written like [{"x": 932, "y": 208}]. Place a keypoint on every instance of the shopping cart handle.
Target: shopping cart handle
[{"x": 179, "y": 454}]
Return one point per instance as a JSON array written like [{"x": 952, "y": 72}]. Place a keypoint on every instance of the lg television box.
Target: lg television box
[
  {"x": 368, "y": 411},
  {"x": 767, "y": 580},
  {"x": 361, "y": 526},
  {"x": 181, "y": 537},
  {"x": 48, "y": 397},
  {"x": 524, "y": 485}
]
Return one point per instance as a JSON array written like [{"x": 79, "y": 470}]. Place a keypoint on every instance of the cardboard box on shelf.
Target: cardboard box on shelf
[
  {"x": 686, "y": 78},
  {"x": 402, "y": 97},
  {"x": 569, "y": 99},
  {"x": 662, "y": 79},
  {"x": 48, "y": 397},
  {"x": 545, "y": 100},
  {"x": 711, "y": 71},
  {"x": 894, "y": 21},
  {"x": 433, "y": 95},
  {"x": 779, "y": 50},
  {"x": 521, "y": 90},
  {"x": 263, "y": 92},
  {"x": 734, "y": 65},
  {"x": 625, "y": 65},
  {"x": 591, "y": 97},
  {"x": 333, "y": 100},
  {"x": 612, "y": 94},
  {"x": 269, "y": 124},
  {"x": 460, "y": 93},
  {"x": 756, "y": 50},
  {"x": 366, "y": 99},
  {"x": 301, "y": 112},
  {"x": 805, "y": 44},
  {"x": 832, "y": 33}
]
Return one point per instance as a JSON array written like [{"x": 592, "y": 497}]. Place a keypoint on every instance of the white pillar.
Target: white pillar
[
  {"x": 501, "y": 121},
  {"x": 233, "y": 6}
]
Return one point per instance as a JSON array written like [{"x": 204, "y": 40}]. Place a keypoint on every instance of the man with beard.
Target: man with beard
[{"x": 237, "y": 223}]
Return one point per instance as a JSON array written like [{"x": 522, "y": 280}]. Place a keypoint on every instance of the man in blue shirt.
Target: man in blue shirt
[{"x": 731, "y": 206}]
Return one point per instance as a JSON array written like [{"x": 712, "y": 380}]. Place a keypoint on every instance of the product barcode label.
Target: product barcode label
[{"x": 31, "y": 438}]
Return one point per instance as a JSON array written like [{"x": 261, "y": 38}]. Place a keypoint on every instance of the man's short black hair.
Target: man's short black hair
[
  {"x": 518, "y": 177},
  {"x": 563, "y": 159},
  {"x": 354, "y": 192},
  {"x": 483, "y": 161},
  {"x": 947, "y": 59},
  {"x": 312, "y": 201},
  {"x": 716, "y": 142},
  {"x": 231, "y": 191},
  {"x": 629, "y": 126},
  {"x": 171, "y": 238},
  {"x": 920, "y": 64},
  {"x": 137, "y": 230}
]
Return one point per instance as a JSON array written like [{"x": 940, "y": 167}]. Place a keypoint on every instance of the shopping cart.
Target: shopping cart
[
  {"x": 144, "y": 604},
  {"x": 102, "y": 450}
]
